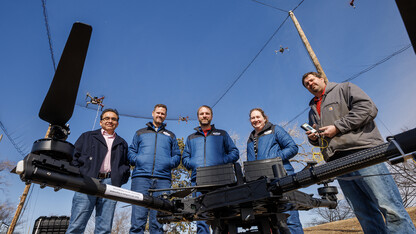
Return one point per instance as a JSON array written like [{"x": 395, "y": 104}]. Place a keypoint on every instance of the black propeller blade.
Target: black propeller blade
[
  {"x": 183, "y": 193},
  {"x": 58, "y": 106}
]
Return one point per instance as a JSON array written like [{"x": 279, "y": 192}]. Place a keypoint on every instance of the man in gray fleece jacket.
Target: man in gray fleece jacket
[{"x": 344, "y": 116}]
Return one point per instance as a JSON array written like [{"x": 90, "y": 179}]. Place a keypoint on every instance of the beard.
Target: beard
[
  {"x": 204, "y": 123},
  {"x": 158, "y": 121}
]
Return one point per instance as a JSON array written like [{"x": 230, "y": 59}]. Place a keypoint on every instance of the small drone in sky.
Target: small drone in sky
[
  {"x": 95, "y": 100},
  {"x": 281, "y": 50},
  {"x": 352, "y": 4},
  {"x": 183, "y": 119}
]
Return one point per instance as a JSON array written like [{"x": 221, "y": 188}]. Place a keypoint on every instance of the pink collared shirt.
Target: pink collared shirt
[{"x": 109, "y": 139}]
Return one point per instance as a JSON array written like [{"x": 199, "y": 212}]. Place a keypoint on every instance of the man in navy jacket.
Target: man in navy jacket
[
  {"x": 99, "y": 154},
  {"x": 208, "y": 146},
  {"x": 154, "y": 152}
]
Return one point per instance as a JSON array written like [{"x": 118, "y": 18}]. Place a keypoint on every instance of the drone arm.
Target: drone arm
[
  {"x": 352, "y": 162},
  {"x": 43, "y": 170}
]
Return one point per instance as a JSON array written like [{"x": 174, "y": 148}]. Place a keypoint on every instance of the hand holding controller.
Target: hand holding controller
[{"x": 310, "y": 131}]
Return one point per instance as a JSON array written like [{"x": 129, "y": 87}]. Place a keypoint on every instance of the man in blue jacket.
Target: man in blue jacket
[
  {"x": 154, "y": 152},
  {"x": 99, "y": 154},
  {"x": 208, "y": 146}
]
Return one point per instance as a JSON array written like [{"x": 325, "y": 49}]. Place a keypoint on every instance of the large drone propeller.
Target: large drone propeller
[{"x": 58, "y": 106}]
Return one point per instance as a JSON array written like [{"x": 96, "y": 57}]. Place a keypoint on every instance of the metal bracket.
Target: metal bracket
[{"x": 402, "y": 157}]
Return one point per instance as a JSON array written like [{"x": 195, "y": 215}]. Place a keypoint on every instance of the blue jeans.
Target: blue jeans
[
  {"x": 293, "y": 221},
  {"x": 139, "y": 214},
  {"x": 372, "y": 198},
  {"x": 82, "y": 207},
  {"x": 201, "y": 226}
]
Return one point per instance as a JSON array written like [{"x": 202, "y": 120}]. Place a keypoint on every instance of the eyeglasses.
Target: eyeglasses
[{"x": 108, "y": 119}]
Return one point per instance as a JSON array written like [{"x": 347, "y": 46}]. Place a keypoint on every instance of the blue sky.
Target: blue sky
[{"x": 187, "y": 53}]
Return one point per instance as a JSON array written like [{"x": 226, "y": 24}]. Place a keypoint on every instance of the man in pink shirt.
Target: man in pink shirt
[{"x": 100, "y": 154}]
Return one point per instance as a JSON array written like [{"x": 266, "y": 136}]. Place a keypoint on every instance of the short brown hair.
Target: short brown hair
[
  {"x": 161, "y": 105},
  {"x": 261, "y": 111},
  {"x": 311, "y": 73},
  {"x": 210, "y": 109}
]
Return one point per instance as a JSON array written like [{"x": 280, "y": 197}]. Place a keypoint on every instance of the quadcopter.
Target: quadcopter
[
  {"x": 183, "y": 119},
  {"x": 95, "y": 100},
  {"x": 281, "y": 50},
  {"x": 352, "y": 4}
]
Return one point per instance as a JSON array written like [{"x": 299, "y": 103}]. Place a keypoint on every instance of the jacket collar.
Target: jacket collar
[
  {"x": 266, "y": 127},
  {"x": 329, "y": 87},
  {"x": 199, "y": 129},
  {"x": 99, "y": 136},
  {"x": 150, "y": 125}
]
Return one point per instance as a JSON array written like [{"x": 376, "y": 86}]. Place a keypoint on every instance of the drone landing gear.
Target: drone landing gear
[{"x": 273, "y": 224}]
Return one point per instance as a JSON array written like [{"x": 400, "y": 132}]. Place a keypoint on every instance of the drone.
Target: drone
[
  {"x": 183, "y": 119},
  {"x": 230, "y": 199},
  {"x": 95, "y": 100},
  {"x": 281, "y": 50},
  {"x": 352, "y": 4}
]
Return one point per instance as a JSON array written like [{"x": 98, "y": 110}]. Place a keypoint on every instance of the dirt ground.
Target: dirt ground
[{"x": 347, "y": 226}]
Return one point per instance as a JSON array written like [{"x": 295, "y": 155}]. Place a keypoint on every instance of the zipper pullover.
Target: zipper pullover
[
  {"x": 154, "y": 153},
  {"x": 215, "y": 148}
]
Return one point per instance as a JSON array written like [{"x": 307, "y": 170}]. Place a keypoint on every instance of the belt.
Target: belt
[{"x": 104, "y": 175}]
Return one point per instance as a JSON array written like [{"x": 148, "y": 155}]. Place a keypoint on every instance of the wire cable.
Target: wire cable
[
  {"x": 379, "y": 119},
  {"x": 271, "y": 6},
  {"x": 26, "y": 203},
  {"x": 15, "y": 145},
  {"x": 378, "y": 63},
  {"x": 359, "y": 74},
  {"x": 298, "y": 5},
  {"x": 297, "y": 116},
  {"x": 261, "y": 50},
  {"x": 48, "y": 33},
  {"x": 251, "y": 62},
  {"x": 96, "y": 117},
  {"x": 280, "y": 9}
]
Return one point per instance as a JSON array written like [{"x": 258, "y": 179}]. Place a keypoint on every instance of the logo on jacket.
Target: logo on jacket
[
  {"x": 216, "y": 133},
  {"x": 166, "y": 133},
  {"x": 267, "y": 132}
]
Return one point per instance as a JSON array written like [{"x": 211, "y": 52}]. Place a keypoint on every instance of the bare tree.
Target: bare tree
[
  {"x": 404, "y": 175},
  {"x": 181, "y": 177},
  {"x": 6, "y": 212},
  {"x": 325, "y": 215},
  {"x": 5, "y": 166},
  {"x": 121, "y": 222},
  {"x": 89, "y": 229},
  {"x": 307, "y": 152},
  {"x": 241, "y": 145}
]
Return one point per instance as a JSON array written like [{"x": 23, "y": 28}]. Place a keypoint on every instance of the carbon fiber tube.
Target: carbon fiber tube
[
  {"x": 47, "y": 174},
  {"x": 352, "y": 162}
]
